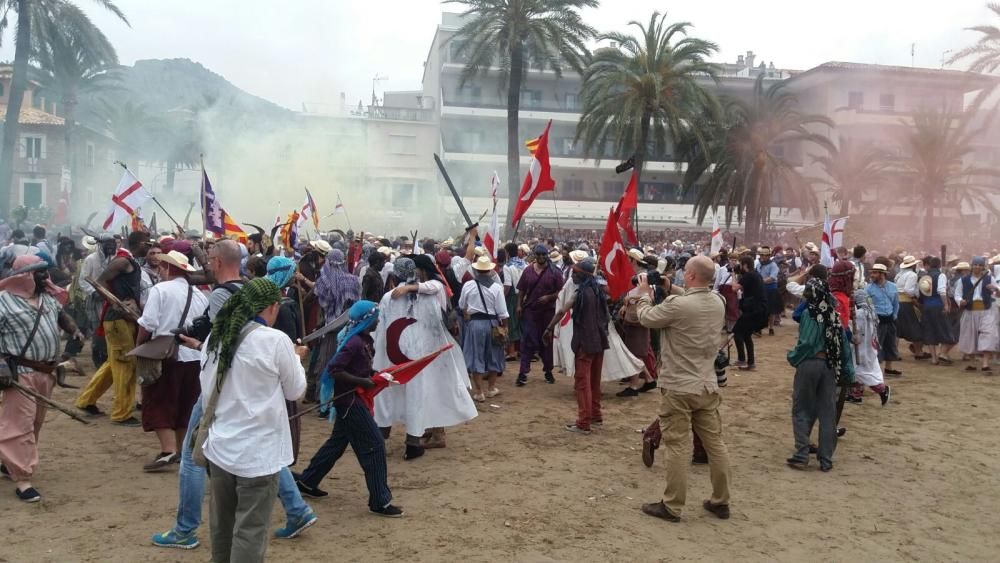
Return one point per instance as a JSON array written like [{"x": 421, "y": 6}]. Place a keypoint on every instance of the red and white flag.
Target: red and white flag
[
  {"x": 340, "y": 206},
  {"x": 614, "y": 260},
  {"x": 716, "y": 236},
  {"x": 539, "y": 178},
  {"x": 627, "y": 206},
  {"x": 493, "y": 233},
  {"x": 309, "y": 212},
  {"x": 129, "y": 196},
  {"x": 833, "y": 237}
]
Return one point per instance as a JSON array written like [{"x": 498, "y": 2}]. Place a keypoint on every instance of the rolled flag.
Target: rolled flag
[{"x": 399, "y": 373}]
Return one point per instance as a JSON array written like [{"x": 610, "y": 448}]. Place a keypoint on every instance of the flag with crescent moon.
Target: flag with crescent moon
[
  {"x": 627, "y": 206},
  {"x": 410, "y": 328},
  {"x": 613, "y": 260},
  {"x": 400, "y": 373},
  {"x": 539, "y": 178}
]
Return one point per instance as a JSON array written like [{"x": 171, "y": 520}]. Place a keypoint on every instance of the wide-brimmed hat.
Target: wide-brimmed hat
[
  {"x": 636, "y": 254},
  {"x": 321, "y": 246},
  {"x": 926, "y": 286},
  {"x": 479, "y": 251},
  {"x": 483, "y": 264},
  {"x": 880, "y": 268},
  {"x": 524, "y": 248},
  {"x": 811, "y": 247},
  {"x": 555, "y": 256},
  {"x": 577, "y": 255},
  {"x": 995, "y": 260},
  {"x": 177, "y": 260},
  {"x": 384, "y": 250},
  {"x": 908, "y": 262},
  {"x": 678, "y": 244},
  {"x": 88, "y": 242},
  {"x": 962, "y": 266}
]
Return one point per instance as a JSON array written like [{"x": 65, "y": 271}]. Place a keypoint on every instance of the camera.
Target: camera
[
  {"x": 721, "y": 363},
  {"x": 652, "y": 276}
]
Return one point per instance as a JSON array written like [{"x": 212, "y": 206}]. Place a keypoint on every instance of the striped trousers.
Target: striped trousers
[{"x": 355, "y": 426}]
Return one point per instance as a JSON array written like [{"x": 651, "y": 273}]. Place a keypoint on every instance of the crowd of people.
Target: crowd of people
[{"x": 229, "y": 345}]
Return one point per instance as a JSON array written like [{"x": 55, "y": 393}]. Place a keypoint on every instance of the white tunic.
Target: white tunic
[
  {"x": 867, "y": 370},
  {"x": 162, "y": 312}
]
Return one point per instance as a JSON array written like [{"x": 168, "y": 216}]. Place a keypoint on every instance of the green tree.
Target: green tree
[
  {"x": 647, "y": 92},
  {"x": 34, "y": 25},
  {"x": 748, "y": 172},
  {"x": 985, "y": 53},
  {"x": 851, "y": 169},
  {"x": 134, "y": 127},
  {"x": 513, "y": 35},
  {"x": 939, "y": 168}
]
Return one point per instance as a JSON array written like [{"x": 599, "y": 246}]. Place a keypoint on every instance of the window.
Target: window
[
  {"x": 90, "y": 155},
  {"x": 31, "y": 194},
  {"x": 569, "y": 147},
  {"x": 402, "y": 144},
  {"x": 401, "y": 195},
  {"x": 470, "y": 94},
  {"x": 36, "y": 99},
  {"x": 613, "y": 190},
  {"x": 572, "y": 188},
  {"x": 887, "y": 102},
  {"x": 572, "y": 101},
  {"x": 855, "y": 100},
  {"x": 32, "y": 146},
  {"x": 531, "y": 98}
]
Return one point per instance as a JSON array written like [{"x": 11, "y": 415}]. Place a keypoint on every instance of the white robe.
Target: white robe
[
  {"x": 438, "y": 396},
  {"x": 618, "y": 362},
  {"x": 867, "y": 370}
]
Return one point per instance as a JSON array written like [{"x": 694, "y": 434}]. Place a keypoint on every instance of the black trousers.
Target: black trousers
[{"x": 355, "y": 426}]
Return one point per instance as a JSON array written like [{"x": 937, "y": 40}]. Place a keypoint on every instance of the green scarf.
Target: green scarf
[{"x": 255, "y": 296}]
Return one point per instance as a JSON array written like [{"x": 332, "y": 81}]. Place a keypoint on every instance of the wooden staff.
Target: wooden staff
[{"x": 39, "y": 397}]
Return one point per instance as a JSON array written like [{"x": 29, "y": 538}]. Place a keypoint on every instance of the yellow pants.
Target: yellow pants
[
  {"x": 118, "y": 371},
  {"x": 678, "y": 413}
]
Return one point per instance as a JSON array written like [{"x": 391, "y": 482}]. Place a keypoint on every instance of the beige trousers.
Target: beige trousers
[{"x": 678, "y": 414}]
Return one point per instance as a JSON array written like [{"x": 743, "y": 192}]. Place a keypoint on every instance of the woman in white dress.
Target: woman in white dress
[{"x": 867, "y": 371}]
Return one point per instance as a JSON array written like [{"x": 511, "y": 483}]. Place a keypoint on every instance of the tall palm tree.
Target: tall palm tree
[
  {"x": 938, "y": 166},
  {"x": 513, "y": 35},
  {"x": 749, "y": 173},
  {"x": 134, "y": 127},
  {"x": 648, "y": 87},
  {"x": 851, "y": 169},
  {"x": 985, "y": 53},
  {"x": 34, "y": 19},
  {"x": 68, "y": 66}
]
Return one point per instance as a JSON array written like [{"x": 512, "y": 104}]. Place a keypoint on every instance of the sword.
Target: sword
[
  {"x": 332, "y": 326},
  {"x": 454, "y": 194}
]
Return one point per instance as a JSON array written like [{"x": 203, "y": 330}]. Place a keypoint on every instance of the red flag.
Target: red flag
[
  {"x": 626, "y": 207},
  {"x": 539, "y": 178},
  {"x": 614, "y": 261},
  {"x": 401, "y": 373}
]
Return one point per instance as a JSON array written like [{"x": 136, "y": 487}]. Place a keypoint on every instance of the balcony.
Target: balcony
[{"x": 400, "y": 114}]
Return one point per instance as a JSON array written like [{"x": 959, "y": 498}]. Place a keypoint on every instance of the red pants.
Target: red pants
[{"x": 587, "y": 385}]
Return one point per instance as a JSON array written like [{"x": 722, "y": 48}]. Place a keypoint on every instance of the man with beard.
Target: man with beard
[
  {"x": 30, "y": 318},
  {"x": 123, "y": 278},
  {"x": 537, "y": 290}
]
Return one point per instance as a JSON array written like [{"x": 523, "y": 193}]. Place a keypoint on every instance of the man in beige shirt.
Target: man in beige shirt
[{"x": 691, "y": 321}]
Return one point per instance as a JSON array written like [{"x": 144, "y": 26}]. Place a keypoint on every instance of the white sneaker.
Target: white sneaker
[
  {"x": 493, "y": 392},
  {"x": 479, "y": 398}
]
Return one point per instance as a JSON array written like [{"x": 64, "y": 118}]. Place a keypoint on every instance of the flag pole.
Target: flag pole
[
  {"x": 153, "y": 197},
  {"x": 346, "y": 215},
  {"x": 556, "y": 206},
  {"x": 204, "y": 226}
]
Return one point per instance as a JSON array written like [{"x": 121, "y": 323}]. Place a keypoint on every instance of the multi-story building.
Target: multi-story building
[{"x": 42, "y": 167}]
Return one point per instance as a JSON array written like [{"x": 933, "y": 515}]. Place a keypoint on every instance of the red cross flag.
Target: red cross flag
[{"x": 128, "y": 198}]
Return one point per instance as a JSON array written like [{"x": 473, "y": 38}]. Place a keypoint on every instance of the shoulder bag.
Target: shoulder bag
[
  {"x": 149, "y": 356},
  {"x": 497, "y": 332}
]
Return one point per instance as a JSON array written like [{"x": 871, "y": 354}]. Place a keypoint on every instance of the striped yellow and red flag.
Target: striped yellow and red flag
[{"x": 232, "y": 228}]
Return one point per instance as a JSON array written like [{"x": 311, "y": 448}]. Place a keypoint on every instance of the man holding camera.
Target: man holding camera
[{"x": 688, "y": 385}]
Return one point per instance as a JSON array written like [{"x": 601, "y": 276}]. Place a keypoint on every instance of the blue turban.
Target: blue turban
[
  {"x": 280, "y": 270},
  {"x": 361, "y": 316}
]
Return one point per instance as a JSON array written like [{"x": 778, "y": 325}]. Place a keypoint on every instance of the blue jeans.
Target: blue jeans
[{"x": 192, "y": 485}]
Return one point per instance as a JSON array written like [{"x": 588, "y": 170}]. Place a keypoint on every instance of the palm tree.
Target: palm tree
[
  {"x": 938, "y": 168},
  {"x": 511, "y": 35},
  {"x": 133, "y": 126},
  {"x": 985, "y": 53},
  {"x": 68, "y": 67},
  {"x": 646, "y": 88},
  {"x": 34, "y": 25},
  {"x": 851, "y": 169},
  {"x": 749, "y": 173}
]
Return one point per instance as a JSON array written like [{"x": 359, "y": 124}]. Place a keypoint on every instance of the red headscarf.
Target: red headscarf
[{"x": 23, "y": 285}]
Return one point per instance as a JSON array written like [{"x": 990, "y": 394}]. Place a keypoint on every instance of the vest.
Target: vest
[
  {"x": 967, "y": 291},
  {"x": 933, "y": 300}
]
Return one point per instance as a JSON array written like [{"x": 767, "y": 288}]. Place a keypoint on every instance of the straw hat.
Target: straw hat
[
  {"x": 555, "y": 256},
  {"x": 811, "y": 247},
  {"x": 524, "y": 248},
  {"x": 483, "y": 264},
  {"x": 447, "y": 242},
  {"x": 962, "y": 266},
  {"x": 577, "y": 255},
  {"x": 636, "y": 254},
  {"x": 89, "y": 242},
  {"x": 321, "y": 246},
  {"x": 995, "y": 260},
  {"x": 384, "y": 250},
  {"x": 479, "y": 251},
  {"x": 880, "y": 268},
  {"x": 678, "y": 244},
  {"x": 177, "y": 260},
  {"x": 908, "y": 262},
  {"x": 925, "y": 286}
]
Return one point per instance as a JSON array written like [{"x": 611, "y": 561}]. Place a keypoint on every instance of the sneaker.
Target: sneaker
[
  {"x": 28, "y": 495},
  {"x": 479, "y": 398},
  {"x": 522, "y": 380},
  {"x": 389, "y": 511},
  {"x": 627, "y": 392},
  {"x": 841, "y": 431},
  {"x": 160, "y": 462},
  {"x": 648, "y": 386},
  {"x": 172, "y": 539},
  {"x": 130, "y": 421},
  {"x": 549, "y": 378},
  {"x": 293, "y": 529},
  {"x": 413, "y": 452},
  {"x": 854, "y": 400},
  {"x": 660, "y": 510},
  {"x": 492, "y": 393},
  {"x": 578, "y": 430},
  {"x": 885, "y": 394},
  {"x": 92, "y": 410},
  {"x": 313, "y": 492}
]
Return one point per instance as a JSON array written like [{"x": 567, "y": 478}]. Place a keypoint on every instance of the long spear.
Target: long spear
[{"x": 153, "y": 197}]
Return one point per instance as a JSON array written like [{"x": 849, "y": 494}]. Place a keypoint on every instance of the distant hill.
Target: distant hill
[{"x": 163, "y": 85}]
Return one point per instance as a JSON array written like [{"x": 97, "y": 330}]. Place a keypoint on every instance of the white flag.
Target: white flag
[
  {"x": 716, "y": 236},
  {"x": 129, "y": 196},
  {"x": 825, "y": 251},
  {"x": 340, "y": 206},
  {"x": 837, "y": 232}
]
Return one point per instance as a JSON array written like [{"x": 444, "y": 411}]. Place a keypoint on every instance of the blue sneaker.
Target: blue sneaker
[
  {"x": 293, "y": 529},
  {"x": 171, "y": 538}
]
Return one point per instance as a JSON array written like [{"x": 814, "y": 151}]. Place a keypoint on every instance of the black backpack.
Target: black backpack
[{"x": 202, "y": 324}]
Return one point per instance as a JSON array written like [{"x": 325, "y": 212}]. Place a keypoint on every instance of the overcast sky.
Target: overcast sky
[{"x": 299, "y": 51}]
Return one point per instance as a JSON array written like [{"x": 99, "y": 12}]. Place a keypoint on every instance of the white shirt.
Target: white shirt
[
  {"x": 512, "y": 275},
  {"x": 435, "y": 288},
  {"x": 250, "y": 436},
  {"x": 977, "y": 290},
  {"x": 460, "y": 265},
  {"x": 906, "y": 282},
  {"x": 795, "y": 289},
  {"x": 162, "y": 313},
  {"x": 470, "y": 301},
  {"x": 93, "y": 266},
  {"x": 386, "y": 270}
]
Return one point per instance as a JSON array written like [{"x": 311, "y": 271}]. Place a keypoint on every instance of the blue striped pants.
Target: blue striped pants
[{"x": 354, "y": 426}]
